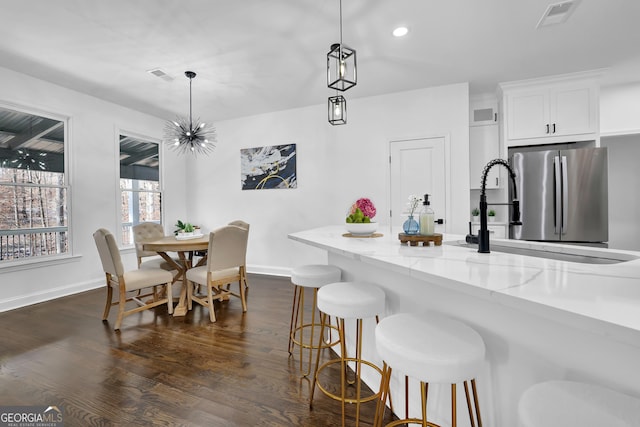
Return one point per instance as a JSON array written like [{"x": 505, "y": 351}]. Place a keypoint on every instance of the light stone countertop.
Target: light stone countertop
[{"x": 600, "y": 298}]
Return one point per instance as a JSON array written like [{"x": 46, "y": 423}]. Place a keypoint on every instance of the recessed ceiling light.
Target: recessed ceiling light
[{"x": 400, "y": 31}]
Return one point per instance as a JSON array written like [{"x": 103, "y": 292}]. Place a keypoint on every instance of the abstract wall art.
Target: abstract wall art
[{"x": 268, "y": 167}]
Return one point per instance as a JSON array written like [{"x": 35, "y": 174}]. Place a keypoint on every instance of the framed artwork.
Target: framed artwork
[{"x": 272, "y": 166}]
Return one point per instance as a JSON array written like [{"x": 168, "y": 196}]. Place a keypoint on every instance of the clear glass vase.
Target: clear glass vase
[{"x": 411, "y": 226}]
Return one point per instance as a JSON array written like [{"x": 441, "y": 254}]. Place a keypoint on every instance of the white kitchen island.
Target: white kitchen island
[{"x": 540, "y": 318}]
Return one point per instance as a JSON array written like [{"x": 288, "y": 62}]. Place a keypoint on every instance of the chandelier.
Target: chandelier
[{"x": 187, "y": 136}]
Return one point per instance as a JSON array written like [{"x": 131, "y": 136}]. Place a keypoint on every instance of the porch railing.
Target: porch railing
[{"x": 33, "y": 242}]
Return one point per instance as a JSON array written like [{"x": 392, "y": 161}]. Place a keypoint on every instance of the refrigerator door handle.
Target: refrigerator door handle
[
  {"x": 565, "y": 194},
  {"x": 558, "y": 203}
]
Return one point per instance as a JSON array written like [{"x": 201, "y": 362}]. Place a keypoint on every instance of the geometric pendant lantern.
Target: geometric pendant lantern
[
  {"x": 341, "y": 64},
  {"x": 341, "y": 67},
  {"x": 337, "y": 110}
]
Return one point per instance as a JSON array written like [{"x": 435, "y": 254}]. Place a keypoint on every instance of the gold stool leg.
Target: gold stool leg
[
  {"x": 454, "y": 421},
  {"x": 323, "y": 320},
  {"x": 466, "y": 393},
  {"x": 424, "y": 392},
  {"x": 294, "y": 312},
  {"x": 343, "y": 366},
  {"x": 301, "y": 311},
  {"x": 475, "y": 399}
]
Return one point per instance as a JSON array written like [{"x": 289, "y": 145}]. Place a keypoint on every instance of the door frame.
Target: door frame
[{"x": 447, "y": 174}]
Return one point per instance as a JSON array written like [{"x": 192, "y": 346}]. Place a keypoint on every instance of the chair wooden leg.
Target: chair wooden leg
[
  {"x": 121, "y": 306},
  {"x": 242, "y": 294},
  {"x": 107, "y": 307},
  {"x": 212, "y": 313}
]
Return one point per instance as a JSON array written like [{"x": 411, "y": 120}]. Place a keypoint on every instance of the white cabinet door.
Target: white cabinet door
[
  {"x": 484, "y": 146},
  {"x": 527, "y": 114},
  {"x": 573, "y": 110}
]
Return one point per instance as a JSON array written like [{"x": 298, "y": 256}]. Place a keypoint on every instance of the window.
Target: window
[
  {"x": 33, "y": 186},
  {"x": 140, "y": 192}
]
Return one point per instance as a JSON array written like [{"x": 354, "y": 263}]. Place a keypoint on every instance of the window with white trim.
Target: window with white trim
[
  {"x": 140, "y": 190},
  {"x": 33, "y": 185}
]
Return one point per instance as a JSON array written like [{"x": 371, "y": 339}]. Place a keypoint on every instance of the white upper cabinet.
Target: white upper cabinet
[
  {"x": 551, "y": 110},
  {"x": 484, "y": 146},
  {"x": 484, "y": 140},
  {"x": 483, "y": 111}
]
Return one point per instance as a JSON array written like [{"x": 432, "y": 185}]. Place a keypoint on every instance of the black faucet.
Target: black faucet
[{"x": 482, "y": 239}]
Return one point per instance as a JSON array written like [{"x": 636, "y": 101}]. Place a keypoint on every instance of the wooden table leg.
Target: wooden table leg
[{"x": 181, "y": 308}]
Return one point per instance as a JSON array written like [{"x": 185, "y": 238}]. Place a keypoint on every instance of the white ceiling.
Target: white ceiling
[{"x": 254, "y": 56}]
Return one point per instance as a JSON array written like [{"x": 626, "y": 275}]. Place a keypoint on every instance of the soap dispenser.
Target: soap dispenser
[{"x": 427, "y": 218}]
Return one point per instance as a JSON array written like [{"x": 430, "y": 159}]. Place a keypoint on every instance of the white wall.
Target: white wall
[
  {"x": 335, "y": 166},
  {"x": 620, "y": 133},
  {"x": 93, "y": 159}
]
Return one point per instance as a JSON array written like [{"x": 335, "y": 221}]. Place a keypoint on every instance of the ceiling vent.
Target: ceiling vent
[
  {"x": 160, "y": 73},
  {"x": 557, "y": 13}
]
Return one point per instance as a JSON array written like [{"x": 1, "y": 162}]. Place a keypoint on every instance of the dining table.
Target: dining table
[{"x": 185, "y": 247}]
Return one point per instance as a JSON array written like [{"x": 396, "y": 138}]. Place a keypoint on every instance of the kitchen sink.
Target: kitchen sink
[{"x": 547, "y": 251}]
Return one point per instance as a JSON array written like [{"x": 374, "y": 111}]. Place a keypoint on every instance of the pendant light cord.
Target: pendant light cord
[
  {"x": 340, "y": 24},
  {"x": 190, "y": 109}
]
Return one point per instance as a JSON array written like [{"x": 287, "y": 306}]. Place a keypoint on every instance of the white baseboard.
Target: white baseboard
[
  {"x": 63, "y": 291},
  {"x": 268, "y": 270},
  {"x": 49, "y": 294}
]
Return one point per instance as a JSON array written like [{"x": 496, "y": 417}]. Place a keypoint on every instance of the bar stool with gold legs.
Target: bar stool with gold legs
[
  {"x": 311, "y": 276},
  {"x": 431, "y": 348},
  {"x": 575, "y": 404},
  {"x": 351, "y": 301}
]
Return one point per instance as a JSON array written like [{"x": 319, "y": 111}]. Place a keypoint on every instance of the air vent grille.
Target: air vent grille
[
  {"x": 557, "y": 13},
  {"x": 160, "y": 73}
]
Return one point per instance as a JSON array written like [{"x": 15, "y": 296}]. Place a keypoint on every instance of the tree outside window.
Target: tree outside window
[
  {"x": 140, "y": 190},
  {"x": 33, "y": 186}
]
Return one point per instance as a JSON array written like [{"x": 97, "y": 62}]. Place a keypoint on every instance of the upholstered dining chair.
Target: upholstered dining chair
[
  {"x": 127, "y": 281},
  {"x": 148, "y": 232},
  {"x": 226, "y": 263},
  {"x": 240, "y": 223}
]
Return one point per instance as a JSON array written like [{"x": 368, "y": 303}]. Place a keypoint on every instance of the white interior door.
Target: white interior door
[{"x": 418, "y": 168}]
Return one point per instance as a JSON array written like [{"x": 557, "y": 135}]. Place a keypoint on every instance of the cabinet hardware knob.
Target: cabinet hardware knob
[
  {"x": 547, "y": 127},
  {"x": 495, "y": 117},
  {"x": 554, "y": 128},
  {"x": 496, "y": 181}
]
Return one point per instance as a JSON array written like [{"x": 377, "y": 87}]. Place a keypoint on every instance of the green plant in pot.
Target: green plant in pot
[
  {"x": 183, "y": 227},
  {"x": 491, "y": 214},
  {"x": 475, "y": 212}
]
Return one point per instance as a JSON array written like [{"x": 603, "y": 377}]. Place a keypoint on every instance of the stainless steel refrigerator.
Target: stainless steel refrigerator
[{"x": 563, "y": 194}]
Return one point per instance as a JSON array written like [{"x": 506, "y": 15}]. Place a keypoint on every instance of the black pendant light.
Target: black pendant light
[
  {"x": 187, "y": 136},
  {"x": 337, "y": 110},
  {"x": 341, "y": 64}
]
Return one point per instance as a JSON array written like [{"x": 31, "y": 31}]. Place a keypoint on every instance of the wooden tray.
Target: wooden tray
[
  {"x": 363, "y": 236},
  {"x": 416, "y": 239}
]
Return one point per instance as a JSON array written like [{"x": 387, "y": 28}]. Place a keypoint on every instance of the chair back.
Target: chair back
[
  {"x": 227, "y": 247},
  {"x": 146, "y": 232},
  {"x": 109, "y": 252},
  {"x": 239, "y": 223}
]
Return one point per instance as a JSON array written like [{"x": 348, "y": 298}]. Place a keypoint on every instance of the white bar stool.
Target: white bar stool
[
  {"x": 574, "y": 404},
  {"x": 308, "y": 276},
  {"x": 431, "y": 348},
  {"x": 348, "y": 300}
]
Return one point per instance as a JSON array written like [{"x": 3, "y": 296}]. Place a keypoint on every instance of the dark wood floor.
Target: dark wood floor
[{"x": 160, "y": 370}]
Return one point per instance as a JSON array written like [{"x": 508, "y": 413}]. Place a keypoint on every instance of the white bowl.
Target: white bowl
[{"x": 362, "y": 228}]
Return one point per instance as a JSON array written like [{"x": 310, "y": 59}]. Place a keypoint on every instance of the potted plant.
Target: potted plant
[
  {"x": 492, "y": 215},
  {"x": 184, "y": 229},
  {"x": 475, "y": 213}
]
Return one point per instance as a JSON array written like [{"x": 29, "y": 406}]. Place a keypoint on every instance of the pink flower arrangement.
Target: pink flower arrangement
[{"x": 365, "y": 205}]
